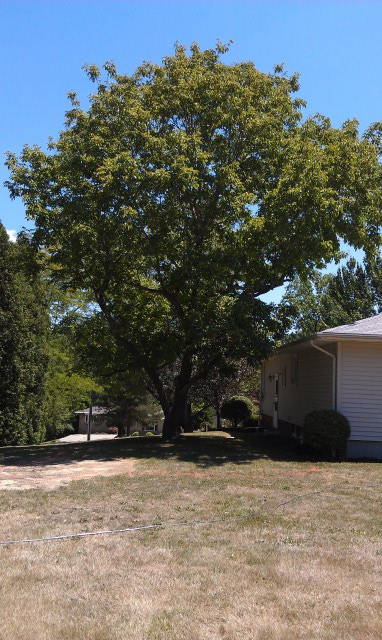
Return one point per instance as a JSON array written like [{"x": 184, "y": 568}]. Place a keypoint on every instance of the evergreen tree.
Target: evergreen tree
[
  {"x": 23, "y": 345},
  {"x": 348, "y": 296},
  {"x": 300, "y": 306},
  {"x": 330, "y": 300}
]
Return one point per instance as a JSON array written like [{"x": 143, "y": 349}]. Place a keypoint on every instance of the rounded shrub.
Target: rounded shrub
[
  {"x": 135, "y": 434},
  {"x": 149, "y": 434},
  {"x": 237, "y": 409},
  {"x": 326, "y": 430}
]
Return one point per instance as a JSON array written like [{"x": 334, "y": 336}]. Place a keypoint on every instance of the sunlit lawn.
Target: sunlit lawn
[{"x": 253, "y": 540}]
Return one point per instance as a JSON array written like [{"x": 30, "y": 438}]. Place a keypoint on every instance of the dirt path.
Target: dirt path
[{"x": 59, "y": 470}]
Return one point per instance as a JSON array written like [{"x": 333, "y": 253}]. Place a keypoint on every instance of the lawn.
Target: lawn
[{"x": 207, "y": 538}]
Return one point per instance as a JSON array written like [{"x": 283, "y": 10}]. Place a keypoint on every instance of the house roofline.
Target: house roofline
[
  {"x": 95, "y": 410},
  {"x": 326, "y": 338}
]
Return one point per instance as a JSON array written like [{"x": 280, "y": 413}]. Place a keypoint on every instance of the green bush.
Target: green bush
[
  {"x": 149, "y": 434},
  {"x": 201, "y": 417},
  {"x": 205, "y": 426},
  {"x": 326, "y": 430},
  {"x": 252, "y": 422},
  {"x": 237, "y": 409},
  {"x": 135, "y": 434}
]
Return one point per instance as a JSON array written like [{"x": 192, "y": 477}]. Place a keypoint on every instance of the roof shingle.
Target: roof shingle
[{"x": 369, "y": 327}]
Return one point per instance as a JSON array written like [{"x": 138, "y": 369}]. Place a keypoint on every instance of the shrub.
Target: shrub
[
  {"x": 135, "y": 434},
  {"x": 202, "y": 417},
  {"x": 149, "y": 434},
  {"x": 252, "y": 422},
  {"x": 327, "y": 431},
  {"x": 112, "y": 429},
  {"x": 205, "y": 426},
  {"x": 236, "y": 409}
]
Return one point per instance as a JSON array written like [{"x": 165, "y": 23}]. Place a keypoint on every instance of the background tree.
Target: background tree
[
  {"x": 373, "y": 269},
  {"x": 182, "y": 194},
  {"x": 125, "y": 391},
  {"x": 69, "y": 380},
  {"x": 329, "y": 300},
  {"x": 300, "y": 306},
  {"x": 24, "y": 327},
  {"x": 67, "y": 387},
  {"x": 349, "y": 295},
  {"x": 236, "y": 378}
]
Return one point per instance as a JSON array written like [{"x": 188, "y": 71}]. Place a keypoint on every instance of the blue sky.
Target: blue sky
[{"x": 335, "y": 45}]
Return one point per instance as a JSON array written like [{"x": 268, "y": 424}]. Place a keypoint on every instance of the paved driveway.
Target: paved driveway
[{"x": 82, "y": 437}]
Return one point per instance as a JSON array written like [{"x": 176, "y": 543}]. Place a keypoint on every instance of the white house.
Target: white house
[{"x": 339, "y": 369}]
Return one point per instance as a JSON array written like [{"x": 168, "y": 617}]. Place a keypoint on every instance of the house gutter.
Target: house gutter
[{"x": 334, "y": 361}]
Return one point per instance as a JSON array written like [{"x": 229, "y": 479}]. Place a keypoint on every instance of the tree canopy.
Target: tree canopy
[{"x": 184, "y": 192}]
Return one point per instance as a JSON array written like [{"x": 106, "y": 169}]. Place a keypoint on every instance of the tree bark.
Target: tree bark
[
  {"x": 176, "y": 417},
  {"x": 173, "y": 421}
]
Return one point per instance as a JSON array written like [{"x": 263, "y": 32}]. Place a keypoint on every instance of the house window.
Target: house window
[{"x": 294, "y": 370}]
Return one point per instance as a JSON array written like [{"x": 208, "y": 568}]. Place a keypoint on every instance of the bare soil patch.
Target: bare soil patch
[
  {"x": 74, "y": 460},
  {"x": 52, "y": 476}
]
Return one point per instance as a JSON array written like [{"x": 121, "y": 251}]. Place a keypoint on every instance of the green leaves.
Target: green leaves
[
  {"x": 23, "y": 345},
  {"x": 185, "y": 185},
  {"x": 329, "y": 300}
]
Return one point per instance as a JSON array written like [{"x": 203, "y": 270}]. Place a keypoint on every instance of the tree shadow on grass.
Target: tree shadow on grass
[{"x": 204, "y": 452}]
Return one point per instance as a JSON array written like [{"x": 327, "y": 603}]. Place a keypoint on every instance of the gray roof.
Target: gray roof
[
  {"x": 360, "y": 329},
  {"x": 95, "y": 411}
]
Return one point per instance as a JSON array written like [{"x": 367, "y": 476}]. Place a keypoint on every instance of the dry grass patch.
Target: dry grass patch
[{"x": 295, "y": 551}]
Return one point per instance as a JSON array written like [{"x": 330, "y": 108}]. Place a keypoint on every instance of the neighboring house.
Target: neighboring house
[
  {"x": 155, "y": 427},
  {"x": 339, "y": 369},
  {"x": 100, "y": 423}
]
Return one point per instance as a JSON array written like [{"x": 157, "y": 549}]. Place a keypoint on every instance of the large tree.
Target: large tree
[{"x": 183, "y": 193}]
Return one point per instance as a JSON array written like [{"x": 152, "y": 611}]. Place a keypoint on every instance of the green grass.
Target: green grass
[{"x": 257, "y": 539}]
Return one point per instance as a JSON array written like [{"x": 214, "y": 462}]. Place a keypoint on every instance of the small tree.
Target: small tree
[{"x": 236, "y": 409}]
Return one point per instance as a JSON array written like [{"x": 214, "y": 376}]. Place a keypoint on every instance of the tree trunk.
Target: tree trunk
[
  {"x": 218, "y": 420},
  {"x": 187, "y": 425},
  {"x": 176, "y": 417},
  {"x": 217, "y": 410},
  {"x": 173, "y": 421}
]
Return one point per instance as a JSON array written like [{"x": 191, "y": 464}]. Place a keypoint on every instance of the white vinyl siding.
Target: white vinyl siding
[
  {"x": 360, "y": 389},
  {"x": 310, "y": 391}
]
